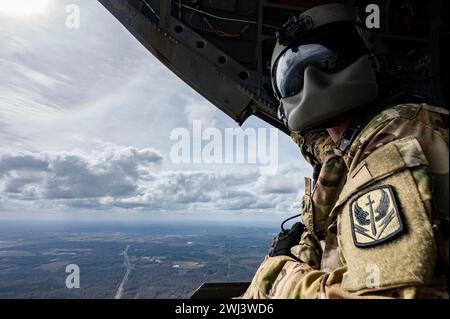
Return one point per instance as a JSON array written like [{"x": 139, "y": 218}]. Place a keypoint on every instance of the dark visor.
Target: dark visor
[
  {"x": 290, "y": 67},
  {"x": 329, "y": 48}
]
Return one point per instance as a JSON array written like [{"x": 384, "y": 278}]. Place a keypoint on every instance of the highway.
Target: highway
[{"x": 126, "y": 261}]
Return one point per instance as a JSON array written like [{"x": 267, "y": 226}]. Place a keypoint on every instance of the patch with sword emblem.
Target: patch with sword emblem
[{"x": 375, "y": 217}]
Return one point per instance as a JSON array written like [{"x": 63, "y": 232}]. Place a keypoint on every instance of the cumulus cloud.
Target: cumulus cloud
[
  {"x": 130, "y": 178},
  {"x": 114, "y": 171}
]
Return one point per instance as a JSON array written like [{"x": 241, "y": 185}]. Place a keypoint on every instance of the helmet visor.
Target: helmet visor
[
  {"x": 329, "y": 48},
  {"x": 290, "y": 67}
]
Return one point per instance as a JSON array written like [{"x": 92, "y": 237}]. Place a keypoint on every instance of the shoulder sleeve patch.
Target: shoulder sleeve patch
[
  {"x": 375, "y": 217},
  {"x": 383, "y": 222}
]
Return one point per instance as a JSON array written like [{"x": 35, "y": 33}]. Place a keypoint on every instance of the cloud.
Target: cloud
[
  {"x": 175, "y": 189},
  {"x": 114, "y": 171},
  {"x": 288, "y": 180},
  {"x": 119, "y": 177}
]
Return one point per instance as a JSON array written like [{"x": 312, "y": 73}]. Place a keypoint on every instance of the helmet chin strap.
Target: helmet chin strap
[{"x": 326, "y": 96}]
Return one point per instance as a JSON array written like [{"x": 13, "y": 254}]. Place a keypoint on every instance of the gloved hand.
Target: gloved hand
[{"x": 285, "y": 240}]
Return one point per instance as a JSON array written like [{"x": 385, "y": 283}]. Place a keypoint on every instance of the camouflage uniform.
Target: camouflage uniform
[{"x": 377, "y": 218}]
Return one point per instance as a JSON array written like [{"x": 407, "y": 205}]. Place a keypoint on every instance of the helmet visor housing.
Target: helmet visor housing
[{"x": 329, "y": 48}]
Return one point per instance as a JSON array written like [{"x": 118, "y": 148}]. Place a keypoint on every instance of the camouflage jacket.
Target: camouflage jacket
[{"x": 377, "y": 218}]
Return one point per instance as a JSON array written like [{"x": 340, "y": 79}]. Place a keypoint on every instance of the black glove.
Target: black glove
[{"x": 285, "y": 240}]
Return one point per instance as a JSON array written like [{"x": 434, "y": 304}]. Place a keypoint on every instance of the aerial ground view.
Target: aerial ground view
[{"x": 126, "y": 261}]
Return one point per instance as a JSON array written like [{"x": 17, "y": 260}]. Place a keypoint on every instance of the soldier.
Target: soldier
[{"x": 376, "y": 217}]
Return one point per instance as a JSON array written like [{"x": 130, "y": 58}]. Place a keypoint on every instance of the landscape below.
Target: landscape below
[{"x": 126, "y": 260}]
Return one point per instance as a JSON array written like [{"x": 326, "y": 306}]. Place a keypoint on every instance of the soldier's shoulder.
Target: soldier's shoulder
[
  {"x": 408, "y": 119},
  {"x": 398, "y": 122},
  {"x": 425, "y": 114}
]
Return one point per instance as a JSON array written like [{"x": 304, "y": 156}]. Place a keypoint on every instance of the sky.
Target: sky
[{"x": 86, "y": 116}]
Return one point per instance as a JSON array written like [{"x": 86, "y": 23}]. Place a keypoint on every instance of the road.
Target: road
[{"x": 126, "y": 261}]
